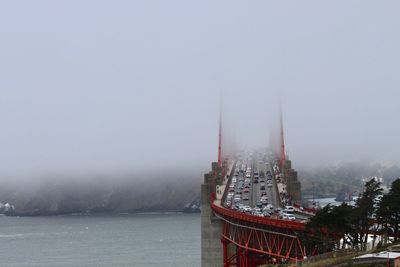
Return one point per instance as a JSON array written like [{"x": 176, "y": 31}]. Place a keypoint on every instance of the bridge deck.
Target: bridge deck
[{"x": 257, "y": 164}]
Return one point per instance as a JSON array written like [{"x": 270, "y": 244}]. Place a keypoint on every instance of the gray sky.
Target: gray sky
[{"x": 119, "y": 85}]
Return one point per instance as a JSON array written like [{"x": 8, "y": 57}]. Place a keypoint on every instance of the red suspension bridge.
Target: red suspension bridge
[{"x": 251, "y": 213}]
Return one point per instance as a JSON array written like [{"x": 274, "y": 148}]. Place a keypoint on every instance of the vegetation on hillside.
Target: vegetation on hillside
[{"x": 353, "y": 224}]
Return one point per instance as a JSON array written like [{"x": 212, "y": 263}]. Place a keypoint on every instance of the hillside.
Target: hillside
[
  {"x": 331, "y": 180},
  {"x": 121, "y": 194}
]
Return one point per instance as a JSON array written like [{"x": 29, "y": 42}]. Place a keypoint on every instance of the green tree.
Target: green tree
[
  {"x": 388, "y": 212},
  {"x": 319, "y": 225},
  {"x": 332, "y": 224},
  {"x": 341, "y": 223},
  {"x": 364, "y": 211}
]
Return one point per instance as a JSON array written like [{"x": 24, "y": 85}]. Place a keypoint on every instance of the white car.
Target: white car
[
  {"x": 256, "y": 209},
  {"x": 291, "y": 217},
  {"x": 247, "y": 208},
  {"x": 289, "y": 209},
  {"x": 283, "y": 216}
]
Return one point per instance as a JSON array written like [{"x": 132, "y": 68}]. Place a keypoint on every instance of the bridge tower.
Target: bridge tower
[
  {"x": 282, "y": 141},
  {"x": 220, "y": 140},
  {"x": 293, "y": 184},
  {"x": 211, "y": 226}
]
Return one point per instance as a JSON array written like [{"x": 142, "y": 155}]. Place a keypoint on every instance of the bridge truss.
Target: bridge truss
[{"x": 253, "y": 244}]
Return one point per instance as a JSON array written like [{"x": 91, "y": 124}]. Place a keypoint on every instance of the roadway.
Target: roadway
[{"x": 253, "y": 178}]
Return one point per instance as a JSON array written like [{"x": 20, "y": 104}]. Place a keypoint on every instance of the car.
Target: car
[
  {"x": 266, "y": 214},
  {"x": 270, "y": 207},
  {"x": 263, "y": 193},
  {"x": 257, "y": 209},
  {"x": 291, "y": 217},
  {"x": 290, "y": 209},
  {"x": 255, "y": 181},
  {"x": 259, "y": 204},
  {"x": 269, "y": 185},
  {"x": 247, "y": 208},
  {"x": 245, "y": 197},
  {"x": 246, "y": 190},
  {"x": 262, "y": 187},
  {"x": 283, "y": 216}
]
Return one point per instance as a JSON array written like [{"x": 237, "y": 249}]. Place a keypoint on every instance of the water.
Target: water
[
  {"x": 124, "y": 240},
  {"x": 331, "y": 200}
]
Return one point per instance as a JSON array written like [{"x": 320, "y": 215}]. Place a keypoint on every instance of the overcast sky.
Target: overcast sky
[{"x": 119, "y": 85}]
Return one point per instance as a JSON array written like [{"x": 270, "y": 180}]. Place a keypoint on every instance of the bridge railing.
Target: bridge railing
[{"x": 257, "y": 219}]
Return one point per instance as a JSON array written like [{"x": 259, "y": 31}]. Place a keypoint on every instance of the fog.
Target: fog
[{"x": 101, "y": 86}]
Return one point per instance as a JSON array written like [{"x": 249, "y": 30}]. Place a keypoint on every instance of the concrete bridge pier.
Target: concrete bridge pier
[{"x": 211, "y": 226}]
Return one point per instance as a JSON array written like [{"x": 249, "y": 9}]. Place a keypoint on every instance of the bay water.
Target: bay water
[{"x": 159, "y": 239}]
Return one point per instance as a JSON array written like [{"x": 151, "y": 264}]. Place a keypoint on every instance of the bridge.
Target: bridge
[{"x": 251, "y": 209}]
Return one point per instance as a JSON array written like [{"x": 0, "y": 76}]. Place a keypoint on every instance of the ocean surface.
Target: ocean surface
[{"x": 161, "y": 239}]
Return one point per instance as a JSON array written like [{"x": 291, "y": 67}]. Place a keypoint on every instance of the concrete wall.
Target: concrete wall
[{"x": 211, "y": 228}]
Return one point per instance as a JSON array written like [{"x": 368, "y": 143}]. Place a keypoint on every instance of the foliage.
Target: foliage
[
  {"x": 388, "y": 212},
  {"x": 332, "y": 219},
  {"x": 364, "y": 210},
  {"x": 352, "y": 224}
]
